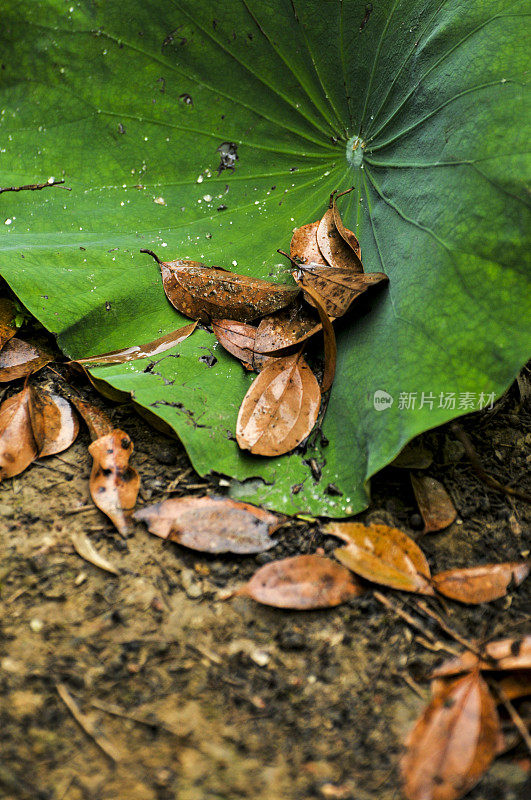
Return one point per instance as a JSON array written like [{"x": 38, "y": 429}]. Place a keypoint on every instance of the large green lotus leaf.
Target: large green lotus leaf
[{"x": 419, "y": 104}]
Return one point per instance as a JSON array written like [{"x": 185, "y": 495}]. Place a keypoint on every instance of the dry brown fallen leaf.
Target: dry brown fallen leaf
[
  {"x": 481, "y": 584},
  {"x": 206, "y": 293},
  {"x": 211, "y": 524},
  {"x": 338, "y": 246},
  {"x": 95, "y": 419},
  {"x": 350, "y": 238},
  {"x": 238, "y": 339},
  {"x": 53, "y": 421},
  {"x": 84, "y": 548},
  {"x": 285, "y": 329},
  {"x": 515, "y": 684},
  {"x": 453, "y": 741},
  {"x": 383, "y": 555},
  {"x": 19, "y": 359},
  {"x": 500, "y": 655},
  {"x": 114, "y": 484},
  {"x": 280, "y": 407},
  {"x": 303, "y": 247},
  {"x": 8, "y": 327},
  {"x": 330, "y": 345},
  {"x": 17, "y": 444},
  {"x": 147, "y": 350},
  {"x": 302, "y": 582},
  {"x": 435, "y": 505},
  {"x": 338, "y": 288}
]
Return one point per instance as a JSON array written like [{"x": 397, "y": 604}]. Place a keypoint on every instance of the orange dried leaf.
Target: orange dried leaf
[
  {"x": 349, "y": 237},
  {"x": 19, "y": 359},
  {"x": 147, "y": 350},
  {"x": 303, "y": 245},
  {"x": 337, "y": 250},
  {"x": 54, "y": 424},
  {"x": 338, "y": 288},
  {"x": 114, "y": 484},
  {"x": 238, "y": 339},
  {"x": 330, "y": 345},
  {"x": 515, "y": 684},
  {"x": 211, "y": 524},
  {"x": 280, "y": 408},
  {"x": 382, "y": 555},
  {"x": 7, "y": 320},
  {"x": 501, "y": 654},
  {"x": 452, "y": 743},
  {"x": 481, "y": 584},
  {"x": 95, "y": 419},
  {"x": 302, "y": 582},
  {"x": 285, "y": 329},
  {"x": 435, "y": 505},
  {"x": 17, "y": 444}
]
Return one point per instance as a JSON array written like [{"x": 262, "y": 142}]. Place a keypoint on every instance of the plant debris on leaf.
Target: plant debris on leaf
[{"x": 150, "y": 349}]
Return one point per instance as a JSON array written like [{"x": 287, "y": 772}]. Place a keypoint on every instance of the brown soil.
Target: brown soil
[{"x": 207, "y": 699}]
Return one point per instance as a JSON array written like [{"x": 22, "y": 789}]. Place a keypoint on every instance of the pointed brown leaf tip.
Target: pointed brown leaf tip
[
  {"x": 150, "y": 349},
  {"x": 337, "y": 287},
  {"x": 206, "y": 293},
  {"x": 17, "y": 444},
  {"x": 303, "y": 245},
  {"x": 330, "y": 345},
  {"x": 339, "y": 249},
  {"x": 211, "y": 524},
  {"x": 435, "y": 505},
  {"x": 501, "y": 654},
  {"x": 481, "y": 584},
  {"x": 114, "y": 484},
  {"x": 302, "y": 582},
  {"x": 238, "y": 339},
  {"x": 7, "y": 320},
  {"x": 19, "y": 359},
  {"x": 285, "y": 329},
  {"x": 95, "y": 419},
  {"x": 54, "y": 424},
  {"x": 452, "y": 743},
  {"x": 280, "y": 408},
  {"x": 382, "y": 555}
]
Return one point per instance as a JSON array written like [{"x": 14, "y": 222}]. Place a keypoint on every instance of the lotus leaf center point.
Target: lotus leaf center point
[{"x": 355, "y": 146}]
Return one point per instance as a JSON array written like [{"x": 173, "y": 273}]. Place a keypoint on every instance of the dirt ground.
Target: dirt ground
[{"x": 199, "y": 698}]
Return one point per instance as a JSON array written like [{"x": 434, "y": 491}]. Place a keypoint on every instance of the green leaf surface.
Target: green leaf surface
[{"x": 420, "y": 105}]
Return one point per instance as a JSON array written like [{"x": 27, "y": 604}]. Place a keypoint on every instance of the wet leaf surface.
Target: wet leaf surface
[
  {"x": 114, "y": 484},
  {"x": 481, "y": 584},
  {"x": 452, "y": 743},
  {"x": 285, "y": 329},
  {"x": 8, "y": 327},
  {"x": 238, "y": 338},
  {"x": 435, "y": 504},
  {"x": 19, "y": 359},
  {"x": 17, "y": 445},
  {"x": 147, "y": 350},
  {"x": 383, "y": 555},
  {"x": 95, "y": 419},
  {"x": 303, "y": 245},
  {"x": 302, "y": 582},
  {"x": 53, "y": 421},
  {"x": 501, "y": 654},
  {"x": 211, "y": 524},
  {"x": 280, "y": 408}
]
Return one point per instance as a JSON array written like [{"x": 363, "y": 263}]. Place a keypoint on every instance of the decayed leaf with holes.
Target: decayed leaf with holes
[
  {"x": 19, "y": 358},
  {"x": 481, "y": 584},
  {"x": 303, "y": 245},
  {"x": 8, "y": 327},
  {"x": 383, "y": 555},
  {"x": 206, "y": 293},
  {"x": 95, "y": 419},
  {"x": 114, "y": 484},
  {"x": 211, "y": 524},
  {"x": 339, "y": 249},
  {"x": 501, "y": 654},
  {"x": 238, "y": 339},
  {"x": 17, "y": 444},
  {"x": 452, "y": 743},
  {"x": 302, "y": 582},
  {"x": 148, "y": 350},
  {"x": 285, "y": 329},
  {"x": 280, "y": 408},
  {"x": 53, "y": 421},
  {"x": 434, "y": 502}
]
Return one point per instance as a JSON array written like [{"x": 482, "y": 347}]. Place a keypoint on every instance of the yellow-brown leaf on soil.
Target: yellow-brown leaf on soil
[
  {"x": 95, "y": 419},
  {"x": 452, "y": 743},
  {"x": 434, "y": 502},
  {"x": 280, "y": 407},
  {"x": 53, "y": 421},
  {"x": 383, "y": 555},
  {"x": 211, "y": 524},
  {"x": 19, "y": 359},
  {"x": 7, "y": 320},
  {"x": 302, "y": 582},
  {"x": 481, "y": 584},
  {"x": 500, "y": 654},
  {"x": 114, "y": 484},
  {"x": 17, "y": 444},
  {"x": 150, "y": 349}
]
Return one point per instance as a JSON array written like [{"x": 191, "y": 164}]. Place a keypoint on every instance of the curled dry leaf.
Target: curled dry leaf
[
  {"x": 285, "y": 329},
  {"x": 114, "y": 484},
  {"x": 349, "y": 237},
  {"x": 337, "y": 287},
  {"x": 54, "y": 424},
  {"x": 435, "y": 505},
  {"x": 340, "y": 249},
  {"x": 330, "y": 345},
  {"x": 95, "y": 419},
  {"x": 501, "y": 654},
  {"x": 453, "y": 741},
  {"x": 84, "y": 548},
  {"x": 280, "y": 408},
  {"x": 303, "y": 245},
  {"x": 206, "y": 293},
  {"x": 481, "y": 584},
  {"x": 302, "y": 582},
  {"x": 19, "y": 359},
  {"x": 17, "y": 444},
  {"x": 8, "y": 327},
  {"x": 382, "y": 555},
  {"x": 211, "y": 524},
  {"x": 150, "y": 349},
  {"x": 238, "y": 339}
]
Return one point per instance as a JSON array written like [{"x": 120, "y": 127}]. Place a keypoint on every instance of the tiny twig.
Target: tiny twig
[
  {"x": 410, "y": 620},
  {"x": 152, "y": 254},
  {"x": 33, "y": 187},
  {"x": 447, "y": 629},
  {"x": 478, "y": 468},
  {"x": 517, "y": 720},
  {"x": 115, "y": 711},
  {"x": 85, "y": 723}
]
